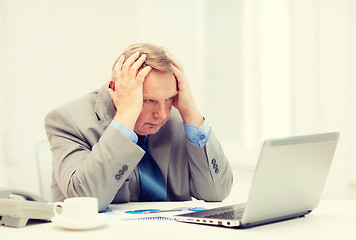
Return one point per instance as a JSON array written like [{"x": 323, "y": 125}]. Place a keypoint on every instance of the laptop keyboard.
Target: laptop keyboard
[{"x": 232, "y": 214}]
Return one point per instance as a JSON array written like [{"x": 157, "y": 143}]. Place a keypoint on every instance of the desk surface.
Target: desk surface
[{"x": 331, "y": 220}]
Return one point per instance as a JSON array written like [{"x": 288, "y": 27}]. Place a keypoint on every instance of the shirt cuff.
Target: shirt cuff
[
  {"x": 127, "y": 132},
  {"x": 197, "y": 135}
]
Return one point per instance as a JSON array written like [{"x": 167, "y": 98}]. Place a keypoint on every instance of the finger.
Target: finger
[
  {"x": 177, "y": 72},
  {"x": 128, "y": 63},
  {"x": 137, "y": 65},
  {"x": 175, "y": 60},
  {"x": 118, "y": 65},
  {"x": 143, "y": 73}
]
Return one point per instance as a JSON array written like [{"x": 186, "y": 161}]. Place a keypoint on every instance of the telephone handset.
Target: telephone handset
[
  {"x": 17, "y": 194},
  {"x": 17, "y": 207}
]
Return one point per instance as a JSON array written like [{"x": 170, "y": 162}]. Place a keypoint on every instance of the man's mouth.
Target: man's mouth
[{"x": 154, "y": 124}]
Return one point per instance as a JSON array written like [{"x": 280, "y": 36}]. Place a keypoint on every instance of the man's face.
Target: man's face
[{"x": 159, "y": 88}]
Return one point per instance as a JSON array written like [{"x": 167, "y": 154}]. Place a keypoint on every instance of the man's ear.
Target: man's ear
[
  {"x": 112, "y": 85},
  {"x": 175, "y": 101}
]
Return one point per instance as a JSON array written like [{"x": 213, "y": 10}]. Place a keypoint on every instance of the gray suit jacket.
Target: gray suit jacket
[{"x": 91, "y": 158}]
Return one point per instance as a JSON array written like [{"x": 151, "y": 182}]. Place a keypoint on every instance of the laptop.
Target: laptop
[{"x": 288, "y": 183}]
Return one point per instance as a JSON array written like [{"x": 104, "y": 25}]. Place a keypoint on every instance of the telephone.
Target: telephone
[{"x": 17, "y": 207}]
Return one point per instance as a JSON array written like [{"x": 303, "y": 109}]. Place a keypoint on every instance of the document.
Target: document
[{"x": 156, "y": 211}]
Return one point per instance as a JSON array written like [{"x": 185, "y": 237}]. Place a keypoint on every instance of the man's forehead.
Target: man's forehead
[
  {"x": 163, "y": 96},
  {"x": 159, "y": 85}
]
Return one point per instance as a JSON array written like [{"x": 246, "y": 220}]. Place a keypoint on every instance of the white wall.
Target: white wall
[
  {"x": 259, "y": 69},
  {"x": 323, "y": 77},
  {"x": 298, "y": 76},
  {"x": 353, "y": 98},
  {"x": 3, "y": 178}
]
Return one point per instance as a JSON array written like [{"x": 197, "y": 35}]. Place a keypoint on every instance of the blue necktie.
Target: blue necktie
[{"x": 153, "y": 187}]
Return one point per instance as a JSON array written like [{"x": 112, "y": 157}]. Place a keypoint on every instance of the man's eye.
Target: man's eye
[
  {"x": 149, "y": 101},
  {"x": 168, "y": 99}
]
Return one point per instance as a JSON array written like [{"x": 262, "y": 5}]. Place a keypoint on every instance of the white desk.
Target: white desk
[{"x": 331, "y": 220}]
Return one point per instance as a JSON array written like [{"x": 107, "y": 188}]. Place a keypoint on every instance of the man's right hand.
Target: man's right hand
[{"x": 127, "y": 96}]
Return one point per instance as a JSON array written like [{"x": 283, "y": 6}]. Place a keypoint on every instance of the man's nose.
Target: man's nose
[{"x": 160, "y": 112}]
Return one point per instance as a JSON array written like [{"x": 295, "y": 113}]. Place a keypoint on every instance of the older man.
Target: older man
[{"x": 124, "y": 142}]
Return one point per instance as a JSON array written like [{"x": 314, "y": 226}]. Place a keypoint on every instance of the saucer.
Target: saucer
[{"x": 82, "y": 224}]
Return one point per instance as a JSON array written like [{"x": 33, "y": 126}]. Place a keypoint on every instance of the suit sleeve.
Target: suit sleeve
[
  {"x": 82, "y": 168},
  {"x": 210, "y": 172}
]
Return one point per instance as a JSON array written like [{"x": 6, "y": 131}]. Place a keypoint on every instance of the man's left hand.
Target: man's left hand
[{"x": 184, "y": 100}]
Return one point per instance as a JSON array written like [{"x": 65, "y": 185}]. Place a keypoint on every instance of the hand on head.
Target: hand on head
[
  {"x": 127, "y": 92},
  {"x": 127, "y": 96},
  {"x": 184, "y": 100}
]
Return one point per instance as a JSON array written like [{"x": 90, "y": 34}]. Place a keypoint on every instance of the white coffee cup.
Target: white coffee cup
[{"x": 77, "y": 208}]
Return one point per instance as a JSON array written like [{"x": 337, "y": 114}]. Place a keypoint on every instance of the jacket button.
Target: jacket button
[
  {"x": 213, "y": 161},
  {"x": 124, "y": 167},
  {"x": 117, "y": 176},
  {"x": 216, "y": 170}
]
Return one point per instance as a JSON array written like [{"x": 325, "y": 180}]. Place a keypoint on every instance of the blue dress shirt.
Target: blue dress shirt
[{"x": 196, "y": 135}]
